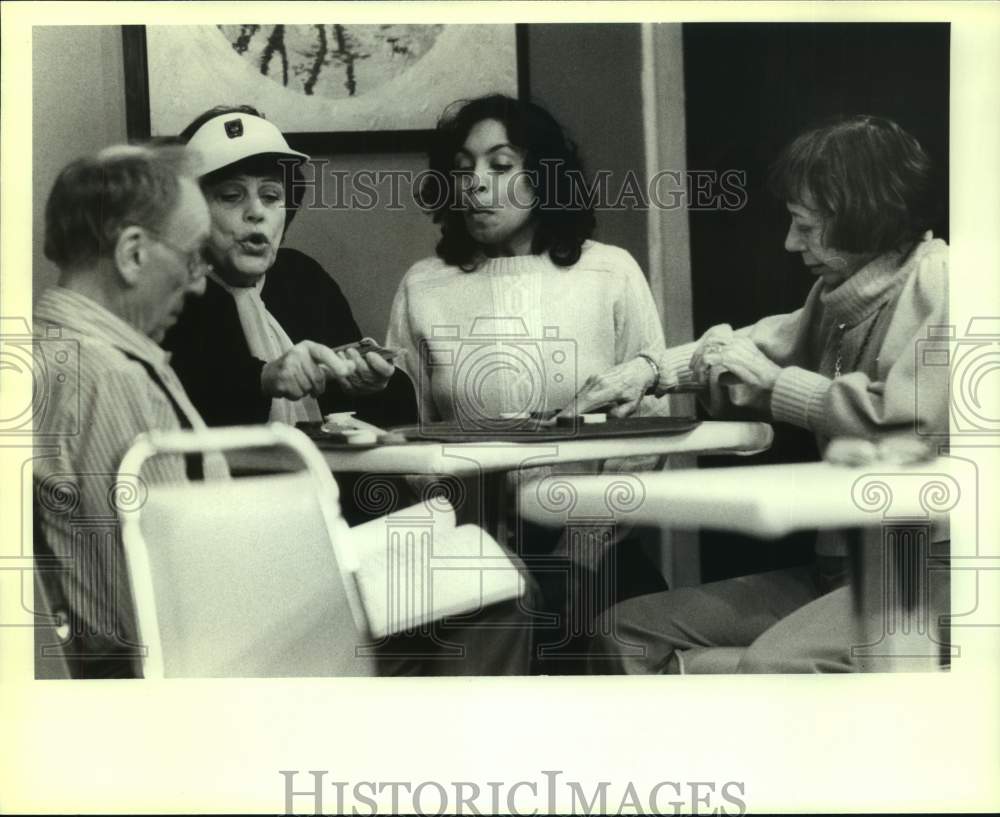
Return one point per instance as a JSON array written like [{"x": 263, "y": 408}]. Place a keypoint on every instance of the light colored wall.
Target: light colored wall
[
  {"x": 78, "y": 106},
  {"x": 588, "y": 76},
  {"x": 666, "y": 150},
  {"x": 367, "y": 251}
]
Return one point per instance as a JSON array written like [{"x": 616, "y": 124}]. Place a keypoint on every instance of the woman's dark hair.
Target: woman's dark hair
[
  {"x": 564, "y": 215},
  {"x": 870, "y": 178},
  {"x": 251, "y": 166}
]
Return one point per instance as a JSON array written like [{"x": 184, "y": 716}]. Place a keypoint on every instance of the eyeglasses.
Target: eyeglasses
[{"x": 198, "y": 261}]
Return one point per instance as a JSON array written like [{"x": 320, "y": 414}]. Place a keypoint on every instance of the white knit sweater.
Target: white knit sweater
[{"x": 518, "y": 334}]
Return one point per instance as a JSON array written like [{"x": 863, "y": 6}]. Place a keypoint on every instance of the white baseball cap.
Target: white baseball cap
[{"x": 232, "y": 137}]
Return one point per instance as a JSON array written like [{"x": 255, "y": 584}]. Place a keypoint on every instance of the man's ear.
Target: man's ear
[{"x": 131, "y": 254}]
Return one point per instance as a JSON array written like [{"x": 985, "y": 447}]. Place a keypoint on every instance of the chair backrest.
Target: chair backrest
[{"x": 248, "y": 577}]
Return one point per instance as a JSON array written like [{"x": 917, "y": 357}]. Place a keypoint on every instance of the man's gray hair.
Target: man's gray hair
[{"x": 96, "y": 197}]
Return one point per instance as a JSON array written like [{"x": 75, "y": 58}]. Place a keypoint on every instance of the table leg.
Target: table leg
[{"x": 893, "y": 600}]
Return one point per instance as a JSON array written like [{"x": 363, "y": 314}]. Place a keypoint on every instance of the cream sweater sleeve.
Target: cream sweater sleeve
[
  {"x": 637, "y": 323},
  {"x": 912, "y": 395},
  {"x": 777, "y": 336}
]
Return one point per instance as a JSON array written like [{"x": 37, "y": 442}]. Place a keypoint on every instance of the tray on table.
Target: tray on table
[{"x": 501, "y": 431}]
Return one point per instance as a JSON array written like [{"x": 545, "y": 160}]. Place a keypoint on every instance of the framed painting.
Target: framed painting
[{"x": 329, "y": 88}]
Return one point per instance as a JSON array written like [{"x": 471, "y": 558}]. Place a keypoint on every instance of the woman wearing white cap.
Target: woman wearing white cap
[{"x": 259, "y": 345}]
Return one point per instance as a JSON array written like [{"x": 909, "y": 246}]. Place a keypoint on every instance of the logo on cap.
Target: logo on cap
[{"x": 234, "y": 128}]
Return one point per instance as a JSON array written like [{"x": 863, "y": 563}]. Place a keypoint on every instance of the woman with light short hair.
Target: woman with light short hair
[{"x": 860, "y": 200}]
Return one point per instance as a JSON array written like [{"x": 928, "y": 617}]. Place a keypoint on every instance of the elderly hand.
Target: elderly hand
[
  {"x": 303, "y": 370},
  {"x": 622, "y": 386},
  {"x": 713, "y": 338},
  {"x": 371, "y": 373},
  {"x": 741, "y": 357}
]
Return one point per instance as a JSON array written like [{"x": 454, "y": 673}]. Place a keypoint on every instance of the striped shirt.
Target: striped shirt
[{"x": 101, "y": 383}]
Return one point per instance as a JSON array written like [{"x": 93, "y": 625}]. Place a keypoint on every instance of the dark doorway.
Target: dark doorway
[{"x": 749, "y": 90}]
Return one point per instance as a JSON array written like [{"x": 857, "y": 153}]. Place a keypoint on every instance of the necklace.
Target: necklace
[
  {"x": 840, "y": 341},
  {"x": 841, "y": 329}
]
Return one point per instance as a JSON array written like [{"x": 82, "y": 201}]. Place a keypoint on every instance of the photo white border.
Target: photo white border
[{"x": 806, "y": 744}]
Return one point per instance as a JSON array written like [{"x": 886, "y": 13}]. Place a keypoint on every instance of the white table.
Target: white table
[
  {"x": 894, "y": 507},
  {"x": 490, "y": 462},
  {"x": 472, "y": 459}
]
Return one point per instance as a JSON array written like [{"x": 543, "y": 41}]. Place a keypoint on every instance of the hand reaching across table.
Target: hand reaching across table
[{"x": 619, "y": 390}]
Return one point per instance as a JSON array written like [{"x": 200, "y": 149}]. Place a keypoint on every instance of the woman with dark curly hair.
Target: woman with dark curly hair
[
  {"x": 515, "y": 264},
  {"x": 519, "y": 305},
  {"x": 860, "y": 201}
]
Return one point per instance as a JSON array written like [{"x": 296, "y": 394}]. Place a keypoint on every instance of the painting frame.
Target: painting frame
[{"x": 138, "y": 121}]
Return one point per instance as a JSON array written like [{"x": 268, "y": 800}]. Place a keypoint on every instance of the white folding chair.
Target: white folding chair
[{"x": 245, "y": 577}]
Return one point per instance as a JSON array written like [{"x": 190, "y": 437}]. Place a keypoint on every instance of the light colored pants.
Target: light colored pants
[
  {"x": 778, "y": 621},
  {"x": 783, "y": 621}
]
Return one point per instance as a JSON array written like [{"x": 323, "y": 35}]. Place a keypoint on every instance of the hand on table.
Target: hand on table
[
  {"x": 621, "y": 387},
  {"x": 303, "y": 370}
]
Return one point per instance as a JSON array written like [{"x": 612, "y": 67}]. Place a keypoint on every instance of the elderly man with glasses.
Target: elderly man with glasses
[{"x": 127, "y": 229}]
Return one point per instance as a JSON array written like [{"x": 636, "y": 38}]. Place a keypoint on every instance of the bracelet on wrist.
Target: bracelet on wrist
[{"x": 654, "y": 366}]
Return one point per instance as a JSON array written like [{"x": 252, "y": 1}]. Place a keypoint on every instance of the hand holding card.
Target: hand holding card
[
  {"x": 366, "y": 345},
  {"x": 372, "y": 366}
]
